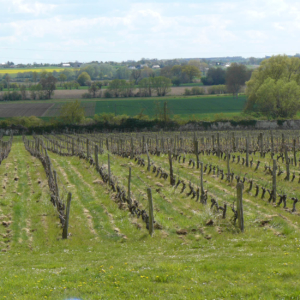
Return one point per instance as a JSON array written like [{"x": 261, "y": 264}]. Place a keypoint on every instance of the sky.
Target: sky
[{"x": 55, "y": 31}]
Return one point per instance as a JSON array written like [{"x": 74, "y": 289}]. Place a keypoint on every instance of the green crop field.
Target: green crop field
[
  {"x": 183, "y": 106},
  {"x": 194, "y": 253}
]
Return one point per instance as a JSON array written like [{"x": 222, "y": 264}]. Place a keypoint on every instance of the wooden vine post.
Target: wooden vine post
[
  {"x": 148, "y": 157},
  {"x": 131, "y": 148},
  {"x": 56, "y": 185},
  {"x": 87, "y": 148},
  {"x": 287, "y": 163},
  {"x": 247, "y": 152},
  {"x": 151, "y": 216},
  {"x": 196, "y": 152},
  {"x": 66, "y": 225},
  {"x": 218, "y": 144},
  {"x": 129, "y": 194},
  {"x": 108, "y": 163},
  {"x": 239, "y": 202},
  {"x": 272, "y": 145},
  {"x": 73, "y": 147},
  {"x": 171, "y": 169},
  {"x": 143, "y": 145},
  {"x": 107, "y": 145},
  {"x": 261, "y": 140},
  {"x": 233, "y": 142},
  {"x": 96, "y": 157},
  {"x": 274, "y": 181},
  {"x": 228, "y": 166},
  {"x": 201, "y": 184},
  {"x": 294, "y": 150}
]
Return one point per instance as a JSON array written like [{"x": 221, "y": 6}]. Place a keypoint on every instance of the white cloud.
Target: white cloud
[
  {"x": 218, "y": 28},
  {"x": 27, "y": 7}
]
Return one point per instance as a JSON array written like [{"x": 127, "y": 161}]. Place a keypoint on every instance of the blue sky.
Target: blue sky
[{"x": 59, "y": 31}]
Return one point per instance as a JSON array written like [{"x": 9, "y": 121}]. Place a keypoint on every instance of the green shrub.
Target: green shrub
[
  {"x": 12, "y": 96},
  {"x": 107, "y": 94},
  {"x": 87, "y": 95},
  {"x": 196, "y": 90},
  {"x": 187, "y": 92},
  {"x": 217, "y": 89}
]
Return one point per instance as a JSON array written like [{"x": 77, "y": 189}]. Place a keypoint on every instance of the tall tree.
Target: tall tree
[
  {"x": 274, "y": 88},
  {"x": 48, "y": 84},
  {"x": 146, "y": 87},
  {"x": 236, "y": 76},
  {"x": 162, "y": 85},
  {"x": 136, "y": 75},
  {"x": 83, "y": 78},
  {"x": 7, "y": 80},
  {"x": 214, "y": 76},
  {"x": 34, "y": 77},
  {"x": 62, "y": 77},
  {"x": 191, "y": 72}
]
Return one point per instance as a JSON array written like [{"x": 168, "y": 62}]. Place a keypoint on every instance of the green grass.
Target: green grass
[
  {"x": 97, "y": 263},
  {"x": 192, "y": 84}
]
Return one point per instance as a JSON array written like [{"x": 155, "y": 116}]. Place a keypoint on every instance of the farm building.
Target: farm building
[
  {"x": 65, "y": 65},
  {"x": 76, "y": 64},
  {"x": 156, "y": 67}
]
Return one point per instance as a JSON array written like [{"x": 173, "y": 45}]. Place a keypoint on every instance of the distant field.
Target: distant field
[
  {"x": 23, "y": 109},
  {"x": 15, "y": 71},
  {"x": 186, "y": 106},
  {"x": 89, "y": 107}
]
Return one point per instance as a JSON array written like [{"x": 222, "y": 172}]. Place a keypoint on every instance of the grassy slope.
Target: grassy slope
[{"x": 97, "y": 262}]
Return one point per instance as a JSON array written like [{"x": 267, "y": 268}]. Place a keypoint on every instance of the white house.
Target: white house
[
  {"x": 132, "y": 68},
  {"x": 156, "y": 67},
  {"x": 66, "y": 65}
]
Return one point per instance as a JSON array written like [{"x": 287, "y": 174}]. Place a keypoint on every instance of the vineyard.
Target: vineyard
[{"x": 172, "y": 215}]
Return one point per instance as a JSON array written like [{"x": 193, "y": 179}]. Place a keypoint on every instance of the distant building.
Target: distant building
[
  {"x": 132, "y": 68},
  {"x": 65, "y": 65},
  {"x": 76, "y": 64},
  {"x": 156, "y": 67},
  {"x": 144, "y": 66}
]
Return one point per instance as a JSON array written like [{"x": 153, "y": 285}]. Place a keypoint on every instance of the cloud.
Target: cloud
[
  {"x": 162, "y": 29},
  {"x": 35, "y": 8}
]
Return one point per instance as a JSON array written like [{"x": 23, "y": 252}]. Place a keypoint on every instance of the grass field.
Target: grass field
[{"x": 98, "y": 262}]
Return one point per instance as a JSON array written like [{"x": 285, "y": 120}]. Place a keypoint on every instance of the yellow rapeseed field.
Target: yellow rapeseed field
[{"x": 15, "y": 71}]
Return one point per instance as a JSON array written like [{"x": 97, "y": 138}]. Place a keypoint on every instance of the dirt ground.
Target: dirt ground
[
  {"x": 65, "y": 94},
  {"x": 23, "y": 109}
]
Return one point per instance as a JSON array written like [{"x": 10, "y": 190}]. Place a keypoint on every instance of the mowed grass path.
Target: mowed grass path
[{"x": 108, "y": 257}]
